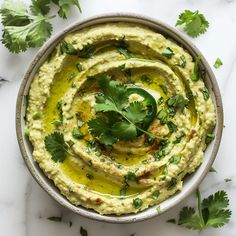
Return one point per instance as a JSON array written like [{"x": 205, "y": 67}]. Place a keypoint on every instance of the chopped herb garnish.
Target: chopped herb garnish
[
  {"x": 155, "y": 194},
  {"x": 218, "y": 63},
  {"x": 137, "y": 203},
  {"x": 77, "y": 134},
  {"x": 175, "y": 159},
  {"x": 227, "y": 180},
  {"x": 121, "y": 67},
  {"x": 162, "y": 116},
  {"x": 182, "y": 62},
  {"x": 172, "y": 184},
  {"x": 160, "y": 154},
  {"x": 168, "y": 53},
  {"x": 146, "y": 79},
  {"x": 160, "y": 100},
  {"x": 205, "y": 93},
  {"x": 131, "y": 176},
  {"x": 87, "y": 52},
  {"x": 164, "y": 88},
  {"x": 195, "y": 76},
  {"x": 179, "y": 138},
  {"x": 72, "y": 76},
  {"x": 172, "y": 127},
  {"x": 36, "y": 116},
  {"x": 80, "y": 123},
  {"x": 89, "y": 176},
  {"x": 209, "y": 138},
  {"x": 79, "y": 66},
  {"x": 67, "y": 48},
  {"x": 178, "y": 102}
]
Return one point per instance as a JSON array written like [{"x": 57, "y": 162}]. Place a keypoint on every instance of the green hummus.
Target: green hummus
[{"x": 127, "y": 175}]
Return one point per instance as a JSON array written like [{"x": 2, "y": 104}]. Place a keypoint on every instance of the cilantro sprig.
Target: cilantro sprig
[
  {"x": 29, "y": 27},
  {"x": 116, "y": 118},
  {"x": 194, "y": 23},
  {"x": 212, "y": 212}
]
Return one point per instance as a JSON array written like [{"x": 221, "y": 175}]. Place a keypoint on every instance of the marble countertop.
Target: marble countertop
[{"x": 25, "y": 207}]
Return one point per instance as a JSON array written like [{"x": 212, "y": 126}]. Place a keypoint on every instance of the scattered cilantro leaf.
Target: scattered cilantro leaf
[
  {"x": 173, "y": 221},
  {"x": 56, "y": 146},
  {"x": 218, "y": 63},
  {"x": 83, "y": 232},
  {"x": 65, "y": 7},
  {"x": 175, "y": 159},
  {"x": 212, "y": 212},
  {"x": 131, "y": 176},
  {"x": 227, "y": 180},
  {"x": 194, "y": 23},
  {"x": 41, "y": 6},
  {"x": 55, "y": 218}
]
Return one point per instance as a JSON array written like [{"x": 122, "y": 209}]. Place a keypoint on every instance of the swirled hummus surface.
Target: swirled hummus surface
[{"x": 152, "y": 136}]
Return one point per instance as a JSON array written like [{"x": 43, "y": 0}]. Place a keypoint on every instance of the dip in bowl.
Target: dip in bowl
[{"x": 120, "y": 109}]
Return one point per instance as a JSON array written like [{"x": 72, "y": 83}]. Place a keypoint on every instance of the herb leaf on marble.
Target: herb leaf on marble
[
  {"x": 27, "y": 27},
  {"x": 194, "y": 23},
  {"x": 211, "y": 212}
]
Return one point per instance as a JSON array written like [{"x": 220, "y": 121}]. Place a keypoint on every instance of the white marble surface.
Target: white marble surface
[{"x": 24, "y": 206}]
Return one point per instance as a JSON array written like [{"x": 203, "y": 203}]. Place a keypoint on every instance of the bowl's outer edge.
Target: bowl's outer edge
[{"x": 106, "y": 18}]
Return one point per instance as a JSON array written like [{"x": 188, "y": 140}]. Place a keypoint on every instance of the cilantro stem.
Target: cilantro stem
[
  {"x": 199, "y": 208},
  {"x": 143, "y": 131}
]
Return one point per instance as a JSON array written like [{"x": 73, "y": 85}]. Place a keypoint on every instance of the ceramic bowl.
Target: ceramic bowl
[{"x": 190, "y": 183}]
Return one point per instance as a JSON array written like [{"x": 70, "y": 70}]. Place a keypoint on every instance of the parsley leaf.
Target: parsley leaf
[
  {"x": 212, "y": 212},
  {"x": 56, "y": 146},
  {"x": 218, "y": 63},
  {"x": 194, "y": 23}
]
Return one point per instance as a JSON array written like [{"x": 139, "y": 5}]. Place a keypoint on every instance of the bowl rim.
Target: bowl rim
[{"x": 106, "y": 18}]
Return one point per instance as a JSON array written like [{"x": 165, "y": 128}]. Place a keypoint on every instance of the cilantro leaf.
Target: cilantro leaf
[
  {"x": 65, "y": 7},
  {"x": 115, "y": 95},
  {"x": 218, "y": 63},
  {"x": 22, "y": 29},
  {"x": 212, "y": 212},
  {"x": 124, "y": 130},
  {"x": 194, "y": 23},
  {"x": 189, "y": 219},
  {"x": 83, "y": 232},
  {"x": 135, "y": 112},
  {"x": 40, "y": 6},
  {"x": 56, "y": 146}
]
